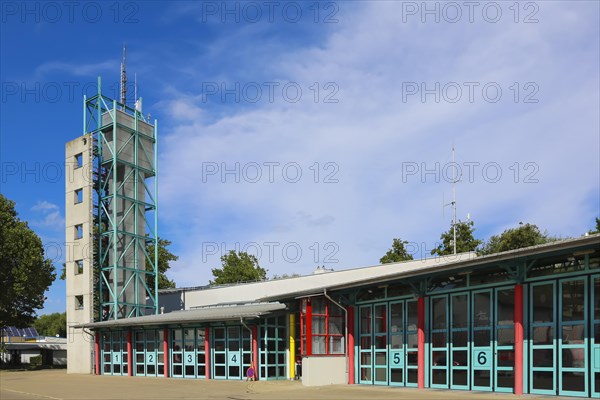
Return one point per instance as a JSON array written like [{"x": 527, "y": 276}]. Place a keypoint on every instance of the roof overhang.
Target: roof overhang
[
  {"x": 460, "y": 262},
  {"x": 203, "y": 314}
]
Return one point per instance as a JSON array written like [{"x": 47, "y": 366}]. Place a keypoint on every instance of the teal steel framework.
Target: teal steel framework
[{"x": 124, "y": 172}]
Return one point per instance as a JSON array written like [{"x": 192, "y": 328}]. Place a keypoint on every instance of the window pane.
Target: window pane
[
  {"x": 396, "y": 317},
  {"x": 543, "y": 303},
  {"x": 365, "y": 319},
  {"x": 412, "y": 315},
  {"x": 482, "y": 338},
  {"x": 336, "y": 344},
  {"x": 380, "y": 318},
  {"x": 460, "y": 312},
  {"x": 481, "y": 309},
  {"x": 439, "y": 313},
  {"x": 506, "y": 337},
  {"x": 336, "y": 325},
  {"x": 318, "y": 325},
  {"x": 318, "y": 344},
  {"x": 573, "y": 307},
  {"x": 318, "y": 306},
  {"x": 506, "y": 307}
]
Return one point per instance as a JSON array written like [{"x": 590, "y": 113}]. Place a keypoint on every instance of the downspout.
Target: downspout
[
  {"x": 246, "y": 326},
  {"x": 345, "y": 328}
]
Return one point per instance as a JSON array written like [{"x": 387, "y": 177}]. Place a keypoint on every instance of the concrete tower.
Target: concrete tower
[{"x": 111, "y": 221}]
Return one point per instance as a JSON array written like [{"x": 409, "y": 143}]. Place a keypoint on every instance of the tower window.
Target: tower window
[
  {"x": 78, "y": 231},
  {"x": 78, "y": 267},
  {"x": 79, "y": 302},
  {"x": 79, "y": 160},
  {"x": 78, "y": 196}
]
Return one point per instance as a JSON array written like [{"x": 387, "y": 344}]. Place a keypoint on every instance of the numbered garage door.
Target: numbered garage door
[{"x": 232, "y": 352}]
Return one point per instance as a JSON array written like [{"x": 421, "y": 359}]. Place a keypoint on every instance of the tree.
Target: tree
[
  {"x": 52, "y": 324},
  {"x": 516, "y": 238},
  {"x": 164, "y": 258},
  {"x": 397, "y": 253},
  {"x": 238, "y": 267},
  {"x": 25, "y": 273},
  {"x": 597, "y": 230},
  {"x": 465, "y": 241}
]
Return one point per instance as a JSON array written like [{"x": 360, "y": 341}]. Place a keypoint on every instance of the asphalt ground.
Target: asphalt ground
[{"x": 57, "y": 384}]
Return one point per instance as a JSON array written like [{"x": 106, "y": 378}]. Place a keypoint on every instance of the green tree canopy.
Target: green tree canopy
[
  {"x": 51, "y": 324},
  {"x": 164, "y": 258},
  {"x": 465, "y": 241},
  {"x": 516, "y": 238},
  {"x": 397, "y": 253},
  {"x": 238, "y": 267},
  {"x": 24, "y": 272}
]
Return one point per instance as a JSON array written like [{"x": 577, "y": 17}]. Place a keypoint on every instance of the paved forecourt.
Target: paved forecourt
[{"x": 57, "y": 384}]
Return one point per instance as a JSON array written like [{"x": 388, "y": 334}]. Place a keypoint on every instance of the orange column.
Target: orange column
[
  {"x": 255, "y": 351},
  {"x": 519, "y": 337},
  {"x": 421, "y": 342},
  {"x": 129, "y": 355},
  {"x": 207, "y": 352},
  {"x": 351, "y": 345},
  {"x": 97, "y": 352},
  {"x": 166, "y": 351}
]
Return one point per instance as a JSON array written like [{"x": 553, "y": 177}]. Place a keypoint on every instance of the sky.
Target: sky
[{"x": 312, "y": 133}]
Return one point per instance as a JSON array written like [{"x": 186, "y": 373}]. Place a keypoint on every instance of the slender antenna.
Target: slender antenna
[
  {"x": 123, "y": 79},
  {"x": 454, "y": 199},
  {"x": 135, "y": 86}
]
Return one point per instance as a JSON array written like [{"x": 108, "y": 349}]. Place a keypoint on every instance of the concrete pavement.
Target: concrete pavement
[{"x": 58, "y": 385}]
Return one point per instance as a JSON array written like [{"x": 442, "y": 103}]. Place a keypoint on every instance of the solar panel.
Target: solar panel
[{"x": 12, "y": 331}]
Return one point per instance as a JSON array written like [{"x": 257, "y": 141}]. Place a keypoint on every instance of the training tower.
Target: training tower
[{"x": 111, "y": 220}]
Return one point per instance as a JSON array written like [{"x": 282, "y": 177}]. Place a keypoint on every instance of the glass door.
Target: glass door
[
  {"x": 459, "y": 344},
  {"x": 189, "y": 354},
  {"x": 412, "y": 344},
  {"x": 542, "y": 355},
  {"x": 595, "y": 337},
  {"x": 380, "y": 339},
  {"x": 504, "y": 340},
  {"x": 483, "y": 349},
  {"x": 573, "y": 337},
  {"x": 439, "y": 344},
  {"x": 219, "y": 354},
  {"x": 365, "y": 349},
  {"x": 397, "y": 343}
]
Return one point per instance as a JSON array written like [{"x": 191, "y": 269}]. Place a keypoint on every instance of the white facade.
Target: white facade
[{"x": 79, "y": 253}]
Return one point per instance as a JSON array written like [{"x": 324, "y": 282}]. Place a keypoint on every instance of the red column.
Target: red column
[
  {"x": 308, "y": 327},
  {"x": 518, "y": 315},
  {"x": 207, "y": 352},
  {"x": 421, "y": 342},
  {"x": 97, "y": 352},
  {"x": 166, "y": 351},
  {"x": 351, "y": 345},
  {"x": 255, "y": 351},
  {"x": 129, "y": 355}
]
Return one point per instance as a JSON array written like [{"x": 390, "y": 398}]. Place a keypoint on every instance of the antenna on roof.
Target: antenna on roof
[
  {"x": 123, "y": 78},
  {"x": 455, "y": 180}
]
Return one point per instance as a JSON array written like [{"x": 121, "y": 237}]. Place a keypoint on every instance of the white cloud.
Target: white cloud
[
  {"x": 50, "y": 216},
  {"x": 373, "y": 133}
]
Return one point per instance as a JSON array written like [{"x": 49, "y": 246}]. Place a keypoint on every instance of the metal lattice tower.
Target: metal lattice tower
[{"x": 125, "y": 207}]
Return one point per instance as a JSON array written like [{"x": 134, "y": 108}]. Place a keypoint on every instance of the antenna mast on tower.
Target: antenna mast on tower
[
  {"x": 123, "y": 79},
  {"x": 454, "y": 201}
]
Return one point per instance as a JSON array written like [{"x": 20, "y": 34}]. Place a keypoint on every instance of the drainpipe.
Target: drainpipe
[
  {"x": 345, "y": 328},
  {"x": 248, "y": 328}
]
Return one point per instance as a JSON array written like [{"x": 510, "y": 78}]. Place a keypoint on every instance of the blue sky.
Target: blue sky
[{"x": 312, "y": 133}]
